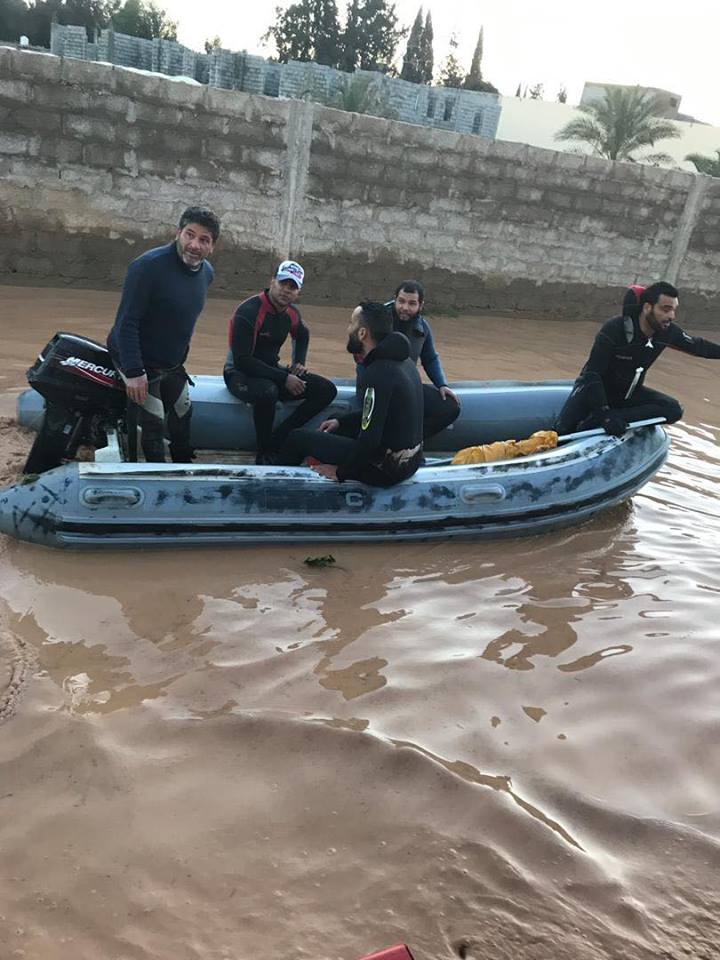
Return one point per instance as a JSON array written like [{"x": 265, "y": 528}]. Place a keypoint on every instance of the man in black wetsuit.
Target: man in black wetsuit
[
  {"x": 440, "y": 404},
  {"x": 258, "y": 329},
  {"x": 382, "y": 443},
  {"x": 610, "y": 391},
  {"x": 163, "y": 295}
]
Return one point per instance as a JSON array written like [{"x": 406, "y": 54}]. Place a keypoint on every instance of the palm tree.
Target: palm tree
[
  {"x": 620, "y": 124},
  {"x": 362, "y": 95},
  {"x": 703, "y": 164}
]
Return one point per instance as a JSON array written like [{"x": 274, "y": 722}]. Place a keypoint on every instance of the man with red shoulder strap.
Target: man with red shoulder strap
[
  {"x": 610, "y": 391},
  {"x": 258, "y": 329}
]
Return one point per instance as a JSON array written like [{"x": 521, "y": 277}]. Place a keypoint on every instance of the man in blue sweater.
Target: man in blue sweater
[
  {"x": 163, "y": 295},
  {"x": 440, "y": 404}
]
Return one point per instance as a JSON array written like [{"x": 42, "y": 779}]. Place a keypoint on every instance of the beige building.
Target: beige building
[{"x": 668, "y": 103}]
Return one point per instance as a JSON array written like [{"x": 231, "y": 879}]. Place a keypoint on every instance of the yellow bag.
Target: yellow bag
[{"x": 507, "y": 449}]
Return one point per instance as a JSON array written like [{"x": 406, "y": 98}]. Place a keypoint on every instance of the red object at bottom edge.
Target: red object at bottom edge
[{"x": 398, "y": 952}]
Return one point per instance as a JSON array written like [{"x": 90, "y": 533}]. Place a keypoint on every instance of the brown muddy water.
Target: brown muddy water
[{"x": 491, "y": 750}]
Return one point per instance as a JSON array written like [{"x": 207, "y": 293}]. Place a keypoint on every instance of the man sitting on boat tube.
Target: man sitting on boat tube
[
  {"x": 381, "y": 444},
  {"x": 258, "y": 329},
  {"x": 440, "y": 404},
  {"x": 610, "y": 390}
]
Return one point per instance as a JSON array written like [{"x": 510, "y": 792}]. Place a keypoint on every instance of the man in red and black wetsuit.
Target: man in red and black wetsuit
[{"x": 258, "y": 329}]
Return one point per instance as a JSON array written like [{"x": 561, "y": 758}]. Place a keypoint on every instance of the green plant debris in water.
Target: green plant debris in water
[{"x": 327, "y": 561}]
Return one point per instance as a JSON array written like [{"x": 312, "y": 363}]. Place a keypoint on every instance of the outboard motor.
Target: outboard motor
[{"x": 84, "y": 395}]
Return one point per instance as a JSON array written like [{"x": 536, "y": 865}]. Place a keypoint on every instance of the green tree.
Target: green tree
[
  {"x": 704, "y": 164},
  {"x": 562, "y": 95},
  {"x": 474, "y": 78},
  {"x": 142, "y": 18},
  {"x": 474, "y": 75},
  {"x": 536, "y": 92},
  {"x": 451, "y": 73},
  {"x": 214, "y": 44},
  {"x": 518, "y": 92},
  {"x": 371, "y": 36},
  {"x": 620, "y": 124},
  {"x": 13, "y": 14},
  {"x": 411, "y": 68},
  {"x": 426, "y": 57},
  {"x": 309, "y": 31}
]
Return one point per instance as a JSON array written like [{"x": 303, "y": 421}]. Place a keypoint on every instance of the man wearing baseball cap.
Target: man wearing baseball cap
[{"x": 258, "y": 329}]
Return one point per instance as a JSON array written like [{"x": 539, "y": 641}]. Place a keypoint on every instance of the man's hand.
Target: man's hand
[
  {"x": 137, "y": 389},
  {"x": 294, "y": 385},
  {"x": 298, "y": 369},
  {"x": 327, "y": 470},
  {"x": 446, "y": 392},
  {"x": 330, "y": 426},
  {"x": 614, "y": 424}
]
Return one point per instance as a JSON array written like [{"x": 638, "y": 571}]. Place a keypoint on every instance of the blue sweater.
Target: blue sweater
[{"x": 161, "y": 301}]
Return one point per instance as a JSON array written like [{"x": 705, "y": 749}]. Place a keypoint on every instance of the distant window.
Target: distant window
[
  {"x": 674, "y": 101},
  {"x": 477, "y": 122},
  {"x": 432, "y": 97},
  {"x": 448, "y": 110},
  {"x": 271, "y": 84}
]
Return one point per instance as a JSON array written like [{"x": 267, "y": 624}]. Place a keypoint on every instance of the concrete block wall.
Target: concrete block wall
[
  {"x": 96, "y": 163},
  {"x": 466, "y": 111}
]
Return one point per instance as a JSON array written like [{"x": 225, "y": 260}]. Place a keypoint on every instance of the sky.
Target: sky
[{"x": 653, "y": 43}]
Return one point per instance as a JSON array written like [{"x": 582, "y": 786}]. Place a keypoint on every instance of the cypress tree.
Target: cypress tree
[{"x": 411, "y": 61}]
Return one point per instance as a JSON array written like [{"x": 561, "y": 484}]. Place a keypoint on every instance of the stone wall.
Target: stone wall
[{"x": 96, "y": 162}]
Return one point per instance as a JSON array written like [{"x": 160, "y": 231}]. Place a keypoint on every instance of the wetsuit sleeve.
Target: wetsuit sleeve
[
  {"x": 134, "y": 303},
  {"x": 350, "y": 422},
  {"x": 300, "y": 343},
  {"x": 376, "y": 403},
  {"x": 679, "y": 340},
  {"x": 598, "y": 363},
  {"x": 430, "y": 360},
  {"x": 241, "y": 345}
]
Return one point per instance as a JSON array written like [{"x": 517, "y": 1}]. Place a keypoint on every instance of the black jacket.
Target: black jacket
[
  {"x": 391, "y": 418},
  {"x": 621, "y": 363}
]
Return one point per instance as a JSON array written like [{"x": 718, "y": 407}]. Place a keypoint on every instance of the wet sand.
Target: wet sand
[{"x": 502, "y": 750}]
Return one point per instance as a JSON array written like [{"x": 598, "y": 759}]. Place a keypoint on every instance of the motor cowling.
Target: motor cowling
[{"x": 78, "y": 374}]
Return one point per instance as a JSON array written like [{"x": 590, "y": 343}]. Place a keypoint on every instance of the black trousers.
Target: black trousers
[
  {"x": 437, "y": 413},
  {"x": 582, "y": 408},
  {"x": 168, "y": 400},
  {"x": 263, "y": 394},
  {"x": 333, "y": 448}
]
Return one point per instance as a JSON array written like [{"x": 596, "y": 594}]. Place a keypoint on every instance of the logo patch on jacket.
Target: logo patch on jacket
[{"x": 368, "y": 407}]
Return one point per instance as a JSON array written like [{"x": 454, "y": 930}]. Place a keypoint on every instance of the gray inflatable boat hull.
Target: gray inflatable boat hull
[{"x": 131, "y": 505}]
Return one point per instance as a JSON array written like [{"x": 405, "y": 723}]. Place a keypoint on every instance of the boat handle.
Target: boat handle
[
  {"x": 481, "y": 492},
  {"x": 111, "y": 496}
]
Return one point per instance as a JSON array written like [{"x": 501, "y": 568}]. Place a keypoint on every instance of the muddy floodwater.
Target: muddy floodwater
[{"x": 491, "y": 750}]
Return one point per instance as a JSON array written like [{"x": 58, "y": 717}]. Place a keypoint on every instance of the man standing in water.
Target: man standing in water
[
  {"x": 610, "y": 390},
  {"x": 382, "y": 444},
  {"x": 163, "y": 295},
  {"x": 440, "y": 404},
  {"x": 258, "y": 329}
]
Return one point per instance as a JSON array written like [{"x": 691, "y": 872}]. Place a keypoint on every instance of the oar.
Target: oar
[
  {"x": 596, "y": 431},
  {"x": 580, "y": 435}
]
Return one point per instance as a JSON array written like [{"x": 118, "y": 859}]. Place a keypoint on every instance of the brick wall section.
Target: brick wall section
[{"x": 96, "y": 162}]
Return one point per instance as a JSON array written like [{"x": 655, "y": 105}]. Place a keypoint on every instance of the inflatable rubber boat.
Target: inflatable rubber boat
[{"x": 110, "y": 503}]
